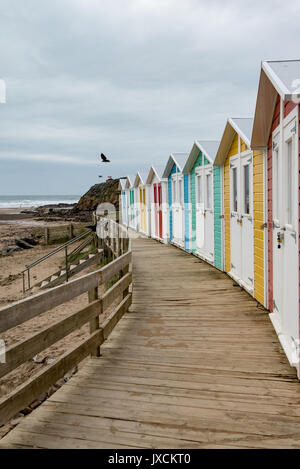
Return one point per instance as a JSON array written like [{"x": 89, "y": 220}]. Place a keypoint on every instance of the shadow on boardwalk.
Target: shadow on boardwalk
[{"x": 195, "y": 363}]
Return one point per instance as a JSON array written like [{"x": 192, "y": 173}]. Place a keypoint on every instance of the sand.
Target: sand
[{"x": 11, "y": 290}]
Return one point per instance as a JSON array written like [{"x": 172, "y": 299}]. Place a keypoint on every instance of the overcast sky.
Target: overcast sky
[{"x": 134, "y": 79}]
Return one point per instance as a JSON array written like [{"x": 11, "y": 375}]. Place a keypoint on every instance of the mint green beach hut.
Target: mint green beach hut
[{"x": 205, "y": 202}]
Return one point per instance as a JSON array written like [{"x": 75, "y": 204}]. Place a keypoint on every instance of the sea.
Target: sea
[{"x": 26, "y": 201}]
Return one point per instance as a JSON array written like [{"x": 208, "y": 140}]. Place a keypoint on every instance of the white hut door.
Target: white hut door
[
  {"x": 241, "y": 219},
  {"x": 208, "y": 214},
  {"x": 246, "y": 216},
  {"x": 204, "y": 213},
  {"x": 199, "y": 211},
  {"x": 285, "y": 230},
  {"x": 235, "y": 221},
  {"x": 177, "y": 209}
]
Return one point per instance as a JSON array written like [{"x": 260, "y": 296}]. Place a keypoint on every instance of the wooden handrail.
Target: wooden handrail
[{"x": 28, "y": 308}]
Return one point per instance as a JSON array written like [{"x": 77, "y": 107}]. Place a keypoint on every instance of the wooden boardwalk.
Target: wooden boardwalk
[{"x": 195, "y": 363}]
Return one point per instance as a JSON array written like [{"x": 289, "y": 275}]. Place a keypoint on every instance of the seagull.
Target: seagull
[{"x": 104, "y": 159}]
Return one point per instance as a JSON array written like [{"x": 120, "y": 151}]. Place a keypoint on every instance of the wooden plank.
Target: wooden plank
[
  {"x": 116, "y": 291},
  {"x": 112, "y": 320},
  {"x": 108, "y": 271},
  {"x": 28, "y": 348},
  {"x": 194, "y": 363},
  {"x": 26, "y": 309},
  {"x": 21, "y": 311},
  {"x": 79, "y": 267},
  {"x": 23, "y": 395},
  {"x": 94, "y": 322}
]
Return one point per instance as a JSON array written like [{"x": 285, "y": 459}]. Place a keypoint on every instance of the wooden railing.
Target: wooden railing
[
  {"x": 112, "y": 236},
  {"x": 31, "y": 307},
  {"x": 63, "y": 247}
]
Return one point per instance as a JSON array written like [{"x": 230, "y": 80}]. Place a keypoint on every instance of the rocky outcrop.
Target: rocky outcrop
[{"x": 106, "y": 192}]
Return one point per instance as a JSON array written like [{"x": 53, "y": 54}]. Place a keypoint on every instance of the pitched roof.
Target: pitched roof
[
  {"x": 207, "y": 147},
  {"x": 276, "y": 77},
  {"x": 157, "y": 170},
  {"x": 179, "y": 159},
  {"x": 140, "y": 178},
  {"x": 240, "y": 125},
  {"x": 129, "y": 182},
  {"x": 122, "y": 184}
]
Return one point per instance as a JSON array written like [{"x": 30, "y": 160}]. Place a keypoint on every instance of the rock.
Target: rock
[
  {"x": 16, "y": 421},
  {"x": 49, "y": 361},
  {"x": 38, "y": 359},
  {"x": 31, "y": 241},
  {"x": 51, "y": 391},
  {"x": 42, "y": 397},
  {"x": 106, "y": 192},
  {"x": 26, "y": 411},
  {"x": 23, "y": 244},
  {"x": 60, "y": 382},
  {"x": 35, "y": 404}
]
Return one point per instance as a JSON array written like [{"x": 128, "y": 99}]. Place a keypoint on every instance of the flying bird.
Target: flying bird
[{"x": 104, "y": 159}]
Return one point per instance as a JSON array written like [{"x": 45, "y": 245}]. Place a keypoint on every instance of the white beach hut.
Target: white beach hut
[
  {"x": 142, "y": 192},
  {"x": 158, "y": 199}
]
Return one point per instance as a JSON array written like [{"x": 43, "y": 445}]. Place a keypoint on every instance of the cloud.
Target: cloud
[
  {"x": 46, "y": 158},
  {"x": 136, "y": 79}
]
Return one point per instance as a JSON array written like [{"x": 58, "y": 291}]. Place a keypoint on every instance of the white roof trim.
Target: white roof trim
[
  {"x": 173, "y": 160},
  {"x": 201, "y": 148},
  {"x": 227, "y": 138},
  {"x": 238, "y": 130},
  {"x": 152, "y": 172},
  {"x": 129, "y": 183},
  {"x": 192, "y": 159},
  {"x": 275, "y": 80},
  {"x": 139, "y": 180},
  {"x": 122, "y": 184}
]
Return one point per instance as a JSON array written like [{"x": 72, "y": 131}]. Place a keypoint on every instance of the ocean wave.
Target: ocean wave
[{"x": 26, "y": 203}]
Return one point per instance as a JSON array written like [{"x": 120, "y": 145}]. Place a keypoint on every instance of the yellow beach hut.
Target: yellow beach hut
[
  {"x": 244, "y": 211},
  {"x": 143, "y": 205}
]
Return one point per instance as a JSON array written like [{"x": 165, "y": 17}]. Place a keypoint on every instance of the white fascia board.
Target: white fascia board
[
  {"x": 238, "y": 131},
  {"x": 276, "y": 82}
]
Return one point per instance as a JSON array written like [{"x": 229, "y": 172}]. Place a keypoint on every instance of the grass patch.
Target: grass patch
[{"x": 77, "y": 256}]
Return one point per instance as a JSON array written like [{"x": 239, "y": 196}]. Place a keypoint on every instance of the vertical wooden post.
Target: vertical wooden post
[
  {"x": 70, "y": 231},
  {"x": 47, "y": 235},
  {"x": 114, "y": 241},
  {"x": 67, "y": 263},
  {"x": 94, "y": 323},
  {"x": 119, "y": 231}
]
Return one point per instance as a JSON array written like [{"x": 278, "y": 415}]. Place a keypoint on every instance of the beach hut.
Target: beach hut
[
  {"x": 244, "y": 213},
  {"x": 178, "y": 199},
  {"x": 143, "y": 205},
  {"x": 131, "y": 200},
  {"x": 205, "y": 202},
  {"x": 276, "y": 131},
  {"x": 123, "y": 202},
  {"x": 158, "y": 198}
]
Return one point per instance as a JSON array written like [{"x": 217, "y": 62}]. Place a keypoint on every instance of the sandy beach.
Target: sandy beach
[
  {"x": 11, "y": 290},
  {"x": 16, "y": 225}
]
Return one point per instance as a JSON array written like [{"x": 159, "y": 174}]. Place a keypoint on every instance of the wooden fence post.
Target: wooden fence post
[
  {"x": 94, "y": 323},
  {"x": 71, "y": 231},
  {"x": 47, "y": 235}
]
